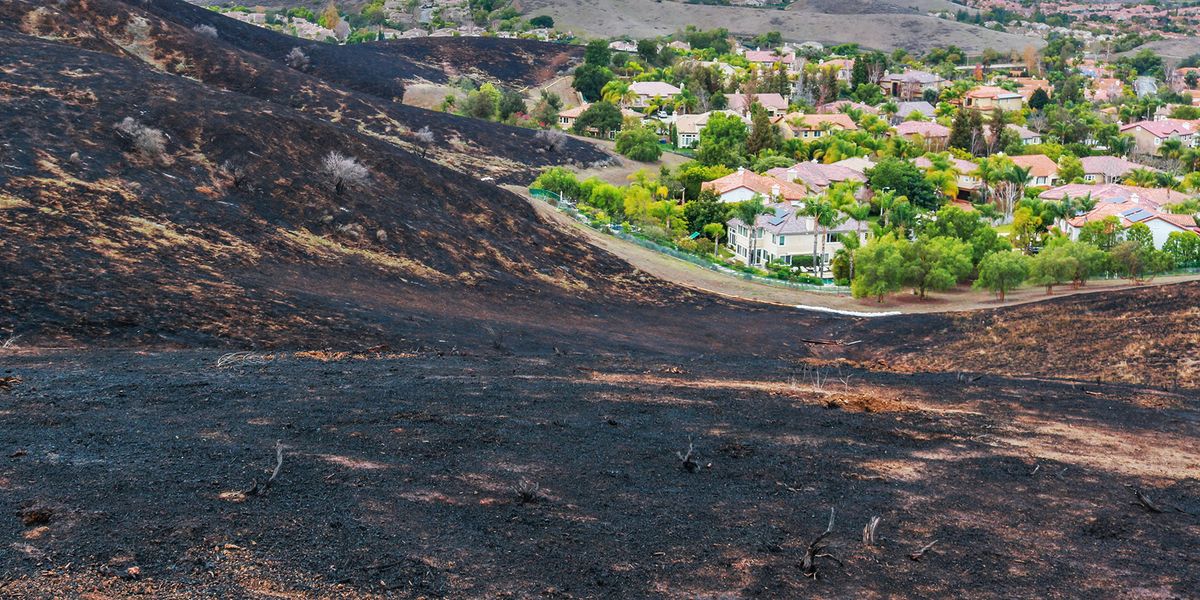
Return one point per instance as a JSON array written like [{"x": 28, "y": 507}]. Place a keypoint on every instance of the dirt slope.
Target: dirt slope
[{"x": 881, "y": 25}]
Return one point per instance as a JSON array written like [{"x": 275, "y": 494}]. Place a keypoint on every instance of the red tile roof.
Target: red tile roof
[{"x": 744, "y": 178}]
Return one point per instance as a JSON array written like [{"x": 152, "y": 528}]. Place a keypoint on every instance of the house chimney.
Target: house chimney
[
  {"x": 775, "y": 191},
  {"x": 741, "y": 170},
  {"x": 791, "y": 175},
  {"x": 1134, "y": 199}
]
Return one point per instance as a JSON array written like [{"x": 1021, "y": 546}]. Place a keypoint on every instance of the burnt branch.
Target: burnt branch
[
  {"x": 261, "y": 490},
  {"x": 818, "y": 548}
]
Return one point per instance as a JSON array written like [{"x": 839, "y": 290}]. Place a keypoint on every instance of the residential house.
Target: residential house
[
  {"x": 766, "y": 59},
  {"x": 911, "y": 84},
  {"x": 815, "y": 176},
  {"x": 843, "y": 66},
  {"x": 775, "y": 104},
  {"x": 1113, "y": 192},
  {"x": 815, "y": 126},
  {"x": 743, "y": 184},
  {"x": 1026, "y": 86},
  {"x": 988, "y": 97},
  {"x": 1042, "y": 170},
  {"x": 904, "y": 110},
  {"x": 1149, "y": 135},
  {"x": 688, "y": 127},
  {"x": 786, "y": 233},
  {"x": 933, "y": 136},
  {"x": 968, "y": 181},
  {"x": 1108, "y": 169},
  {"x": 567, "y": 117},
  {"x": 623, "y": 46},
  {"x": 646, "y": 91},
  {"x": 680, "y": 46},
  {"x": 1027, "y": 136},
  {"x": 1129, "y": 205},
  {"x": 1105, "y": 89},
  {"x": 842, "y": 106},
  {"x": 858, "y": 164}
]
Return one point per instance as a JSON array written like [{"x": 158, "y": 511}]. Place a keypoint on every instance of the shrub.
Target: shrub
[
  {"x": 147, "y": 141},
  {"x": 551, "y": 139},
  {"x": 297, "y": 59},
  {"x": 424, "y": 137},
  {"x": 343, "y": 171},
  {"x": 1002, "y": 272},
  {"x": 640, "y": 144}
]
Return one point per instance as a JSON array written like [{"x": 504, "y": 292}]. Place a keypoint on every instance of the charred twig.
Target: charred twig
[
  {"x": 689, "y": 463},
  {"x": 261, "y": 490},
  {"x": 869, "y": 531},
  {"x": 920, "y": 553},
  {"x": 527, "y": 492},
  {"x": 10, "y": 343},
  {"x": 818, "y": 549},
  {"x": 1143, "y": 500}
]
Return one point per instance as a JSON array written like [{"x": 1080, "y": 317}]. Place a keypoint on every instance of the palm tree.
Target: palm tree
[
  {"x": 1121, "y": 145},
  {"x": 1171, "y": 149},
  {"x": 616, "y": 92},
  {"x": 1141, "y": 178},
  {"x": 889, "y": 109},
  {"x": 859, "y": 212},
  {"x": 1015, "y": 178},
  {"x": 817, "y": 208}
]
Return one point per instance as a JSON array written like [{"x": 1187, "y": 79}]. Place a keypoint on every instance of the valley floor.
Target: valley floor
[{"x": 122, "y": 474}]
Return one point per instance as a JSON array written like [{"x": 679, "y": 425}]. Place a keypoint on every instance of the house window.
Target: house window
[
  {"x": 831, "y": 237},
  {"x": 781, "y": 240}
]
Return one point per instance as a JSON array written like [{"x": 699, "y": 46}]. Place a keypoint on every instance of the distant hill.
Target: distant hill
[{"x": 874, "y": 23}]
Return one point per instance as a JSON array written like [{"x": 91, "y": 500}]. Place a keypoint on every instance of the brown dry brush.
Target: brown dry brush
[{"x": 261, "y": 490}]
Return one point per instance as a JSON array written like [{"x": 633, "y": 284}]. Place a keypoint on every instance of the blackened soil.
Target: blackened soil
[{"x": 400, "y": 473}]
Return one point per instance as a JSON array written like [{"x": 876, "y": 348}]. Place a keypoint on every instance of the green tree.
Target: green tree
[
  {"x": 722, "y": 141},
  {"x": 692, "y": 174},
  {"x": 590, "y": 79},
  {"x": 559, "y": 180},
  {"x": 1070, "y": 169},
  {"x": 1184, "y": 248},
  {"x": 706, "y": 210},
  {"x": 1052, "y": 266},
  {"x": 936, "y": 264},
  {"x": 879, "y": 267},
  {"x": 639, "y": 143},
  {"x": 511, "y": 102},
  {"x": 1039, "y": 99},
  {"x": 1002, "y": 272},
  {"x": 763, "y": 134},
  {"x": 904, "y": 179},
  {"x": 603, "y": 117},
  {"x": 1103, "y": 234},
  {"x": 596, "y": 53},
  {"x": 1138, "y": 263},
  {"x": 1140, "y": 233},
  {"x": 483, "y": 103},
  {"x": 714, "y": 232},
  {"x": 1027, "y": 229}
]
